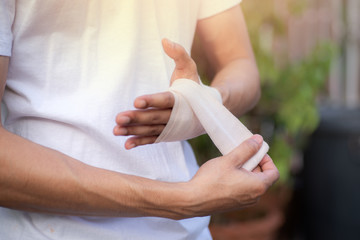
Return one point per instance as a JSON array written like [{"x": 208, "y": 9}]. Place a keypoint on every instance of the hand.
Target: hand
[
  {"x": 222, "y": 185},
  {"x": 154, "y": 110}
]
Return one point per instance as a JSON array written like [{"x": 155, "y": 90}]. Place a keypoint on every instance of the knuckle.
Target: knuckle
[
  {"x": 261, "y": 189},
  {"x": 168, "y": 99},
  {"x": 133, "y": 116},
  {"x": 129, "y": 131},
  {"x": 153, "y": 131},
  {"x": 151, "y": 100},
  {"x": 154, "y": 118}
]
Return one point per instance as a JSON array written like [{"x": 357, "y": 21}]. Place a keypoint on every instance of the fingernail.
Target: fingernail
[
  {"x": 140, "y": 103},
  {"x": 130, "y": 146},
  {"x": 257, "y": 138},
  {"x": 123, "y": 120},
  {"x": 122, "y": 131}
]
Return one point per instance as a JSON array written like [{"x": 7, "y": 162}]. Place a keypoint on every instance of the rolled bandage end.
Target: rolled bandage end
[{"x": 252, "y": 163}]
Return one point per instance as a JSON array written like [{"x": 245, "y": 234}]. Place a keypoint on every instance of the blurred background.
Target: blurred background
[{"x": 308, "y": 54}]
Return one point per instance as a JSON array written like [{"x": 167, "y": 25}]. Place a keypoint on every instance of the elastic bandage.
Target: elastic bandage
[{"x": 198, "y": 109}]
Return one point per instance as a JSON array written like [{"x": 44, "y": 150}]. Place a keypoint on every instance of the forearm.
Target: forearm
[
  {"x": 35, "y": 178},
  {"x": 226, "y": 44},
  {"x": 239, "y": 85}
]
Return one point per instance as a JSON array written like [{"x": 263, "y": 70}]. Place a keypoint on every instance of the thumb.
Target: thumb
[
  {"x": 185, "y": 66},
  {"x": 245, "y": 151}
]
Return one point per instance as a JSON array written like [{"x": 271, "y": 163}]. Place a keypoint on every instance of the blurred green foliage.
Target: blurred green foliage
[
  {"x": 289, "y": 100},
  {"x": 287, "y": 112}
]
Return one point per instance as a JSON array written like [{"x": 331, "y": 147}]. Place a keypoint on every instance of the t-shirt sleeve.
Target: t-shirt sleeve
[
  {"x": 209, "y": 8},
  {"x": 7, "y": 13}
]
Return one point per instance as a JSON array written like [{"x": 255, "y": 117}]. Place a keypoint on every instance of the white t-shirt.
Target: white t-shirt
[{"x": 75, "y": 65}]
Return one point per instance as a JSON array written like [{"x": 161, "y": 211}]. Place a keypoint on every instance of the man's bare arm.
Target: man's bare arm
[
  {"x": 39, "y": 179},
  {"x": 226, "y": 43},
  {"x": 36, "y": 178}
]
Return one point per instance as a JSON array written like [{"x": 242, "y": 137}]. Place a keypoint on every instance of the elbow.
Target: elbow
[
  {"x": 256, "y": 88},
  {"x": 257, "y": 94}
]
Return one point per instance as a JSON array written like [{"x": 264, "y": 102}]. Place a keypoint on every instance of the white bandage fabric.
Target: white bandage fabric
[
  {"x": 183, "y": 123},
  {"x": 197, "y": 109}
]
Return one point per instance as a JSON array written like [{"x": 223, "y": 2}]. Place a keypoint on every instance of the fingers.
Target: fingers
[
  {"x": 245, "y": 150},
  {"x": 160, "y": 105},
  {"x": 146, "y": 123},
  {"x": 151, "y": 130},
  {"x": 137, "y": 141},
  {"x": 185, "y": 66},
  {"x": 269, "y": 170},
  {"x": 257, "y": 169},
  {"x": 150, "y": 122},
  {"x": 158, "y": 100},
  {"x": 144, "y": 117}
]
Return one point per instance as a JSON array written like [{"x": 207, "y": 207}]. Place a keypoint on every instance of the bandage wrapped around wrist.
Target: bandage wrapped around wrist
[
  {"x": 199, "y": 109},
  {"x": 183, "y": 123}
]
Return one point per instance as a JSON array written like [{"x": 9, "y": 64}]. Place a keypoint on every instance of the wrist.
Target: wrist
[
  {"x": 193, "y": 200},
  {"x": 213, "y": 91},
  {"x": 223, "y": 91},
  {"x": 179, "y": 200},
  {"x": 184, "y": 200}
]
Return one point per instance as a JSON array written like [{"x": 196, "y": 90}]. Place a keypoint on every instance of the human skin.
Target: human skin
[
  {"x": 39, "y": 179},
  {"x": 225, "y": 39}
]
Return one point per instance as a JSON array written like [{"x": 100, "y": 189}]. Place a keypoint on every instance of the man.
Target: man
[{"x": 70, "y": 67}]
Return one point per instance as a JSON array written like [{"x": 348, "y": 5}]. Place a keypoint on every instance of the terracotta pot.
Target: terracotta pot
[{"x": 260, "y": 229}]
